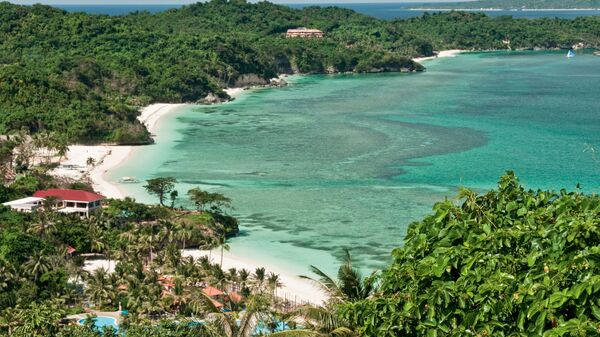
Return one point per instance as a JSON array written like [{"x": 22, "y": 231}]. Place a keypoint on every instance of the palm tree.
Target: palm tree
[
  {"x": 90, "y": 161},
  {"x": 220, "y": 324},
  {"x": 38, "y": 264},
  {"x": 224, "y": 246},
  {"x": 350, "y": 286},
  {"x": 259, "y": 278},
  {"x": 184, "y": 232},
  {"x": 8, "y": 274},
  {"x": 99, "y": 287},
  {"x": 9, "y": 320},
  {"x": 243, "y": 277},
  {"x": 273, "y": 283},
  {"x": 75, "y": 269},
  {"x": 44, "y": 223},
  {"x": 39, "y": 319},
  {"x": 232, "y": 276},
  {"x": 319, "y": 322},
  {"x": 324, "y": 321}
]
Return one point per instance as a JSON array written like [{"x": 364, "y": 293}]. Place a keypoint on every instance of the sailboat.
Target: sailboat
[{"x": 570, "y": 54}]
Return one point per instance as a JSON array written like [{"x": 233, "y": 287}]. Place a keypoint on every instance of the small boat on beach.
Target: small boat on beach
[
  {"x": 571, "y": 54},
  {"x": 129, "y": 180}
]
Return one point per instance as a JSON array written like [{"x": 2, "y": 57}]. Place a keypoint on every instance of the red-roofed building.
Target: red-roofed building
[
  {"x": 212, "y": 291},
  {"x": 235, "y": 297},
  {"x": 78, "y": 202}
]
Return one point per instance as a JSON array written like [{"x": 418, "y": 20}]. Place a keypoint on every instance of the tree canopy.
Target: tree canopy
[
  {"x": 161, "y": 187},
  {"x": 510, "y": 262},
  {"x": 86, "y": 76}
]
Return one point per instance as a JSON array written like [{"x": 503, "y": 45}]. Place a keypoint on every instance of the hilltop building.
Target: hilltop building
[{"x": 304, "y": 32}]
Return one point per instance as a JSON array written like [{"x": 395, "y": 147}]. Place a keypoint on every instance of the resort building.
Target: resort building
[
  {"x": 82, "y": 203},
  {"x": 25, "y": 205},
  {"x": 304, "y": 32}
]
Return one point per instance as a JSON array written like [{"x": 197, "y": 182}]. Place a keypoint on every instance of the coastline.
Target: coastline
[
  {"x": 106, "y": 157},
  {"x": 440, "y": 54}
]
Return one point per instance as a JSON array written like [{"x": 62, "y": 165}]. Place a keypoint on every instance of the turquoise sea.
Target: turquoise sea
[{"x": 348, "y": 161}]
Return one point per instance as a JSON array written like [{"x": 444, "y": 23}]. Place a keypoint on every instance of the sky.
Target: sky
[{"x": 159, "y": 2}]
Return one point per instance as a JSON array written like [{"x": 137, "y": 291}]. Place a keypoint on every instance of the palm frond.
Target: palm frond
[
  {"x": 247, "y": 325},
  {"x": 327, "y": 284}
]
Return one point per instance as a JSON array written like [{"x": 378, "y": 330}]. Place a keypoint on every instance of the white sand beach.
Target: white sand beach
[
  {"x": 294, "y": 287},
  {"x": 105, "y": 157},
  {"x": 440, "y": 54}
]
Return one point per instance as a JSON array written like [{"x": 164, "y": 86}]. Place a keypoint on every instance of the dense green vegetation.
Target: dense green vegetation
[
  {"x": 517, "y": 4},
  {"x": 509, "y": 262},
  {"x": 87, "y": 75}
]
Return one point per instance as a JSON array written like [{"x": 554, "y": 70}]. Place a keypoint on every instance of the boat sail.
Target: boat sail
[{"x": 571, "y": 54}]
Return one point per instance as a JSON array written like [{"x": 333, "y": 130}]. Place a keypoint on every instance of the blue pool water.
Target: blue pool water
[{"x": 101, "y": 322}]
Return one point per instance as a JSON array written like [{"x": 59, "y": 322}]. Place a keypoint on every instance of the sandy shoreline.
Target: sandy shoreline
[
  {"x": 293, "y": 288},
  {"x": 441, "y": 54},
  {"x": 106, "y": 157}
]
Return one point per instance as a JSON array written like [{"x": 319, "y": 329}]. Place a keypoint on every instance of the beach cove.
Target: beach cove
[{"x": 316, "y": 167}]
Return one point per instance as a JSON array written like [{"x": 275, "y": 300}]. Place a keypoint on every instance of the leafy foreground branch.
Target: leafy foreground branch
[{"x": 510, "y": 262}]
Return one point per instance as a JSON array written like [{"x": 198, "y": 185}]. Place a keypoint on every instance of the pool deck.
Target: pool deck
[{"x": 112, "y": 314}]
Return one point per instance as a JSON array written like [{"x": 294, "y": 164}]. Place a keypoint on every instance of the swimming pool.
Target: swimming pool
[{"x": 101, "y": 322}]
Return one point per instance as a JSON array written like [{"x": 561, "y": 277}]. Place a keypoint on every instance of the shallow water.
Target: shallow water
[{"x": 349, "y": 161}]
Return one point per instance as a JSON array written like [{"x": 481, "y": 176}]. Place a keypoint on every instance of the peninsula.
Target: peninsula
[{"x": 88, "y": 76}]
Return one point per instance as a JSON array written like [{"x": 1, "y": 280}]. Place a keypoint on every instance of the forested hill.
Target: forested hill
[
  {"x": 518, "y": 4},
  {"x": 86, "y": 76}
]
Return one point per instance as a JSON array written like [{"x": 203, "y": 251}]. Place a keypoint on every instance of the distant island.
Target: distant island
[
  {"x": 515, "y": 4},
  {"x": 86, "y": 77}
]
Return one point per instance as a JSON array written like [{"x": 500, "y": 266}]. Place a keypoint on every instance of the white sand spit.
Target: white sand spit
[{"x": 441, "y": 54}]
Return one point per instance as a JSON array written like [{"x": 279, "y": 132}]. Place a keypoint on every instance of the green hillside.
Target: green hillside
[{"x": 86, "y": 76}]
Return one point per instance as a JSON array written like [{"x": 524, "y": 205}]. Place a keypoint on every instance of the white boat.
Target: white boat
[
  {"x": 597, "y": 53},
  {"x": 129, "y": 180},
  {"x": 571, "y": 54}
]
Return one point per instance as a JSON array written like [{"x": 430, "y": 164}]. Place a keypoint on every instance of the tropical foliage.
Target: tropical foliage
[
  {"x": 86, "y": 76},
  {"x": 510, "y": 262}
]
